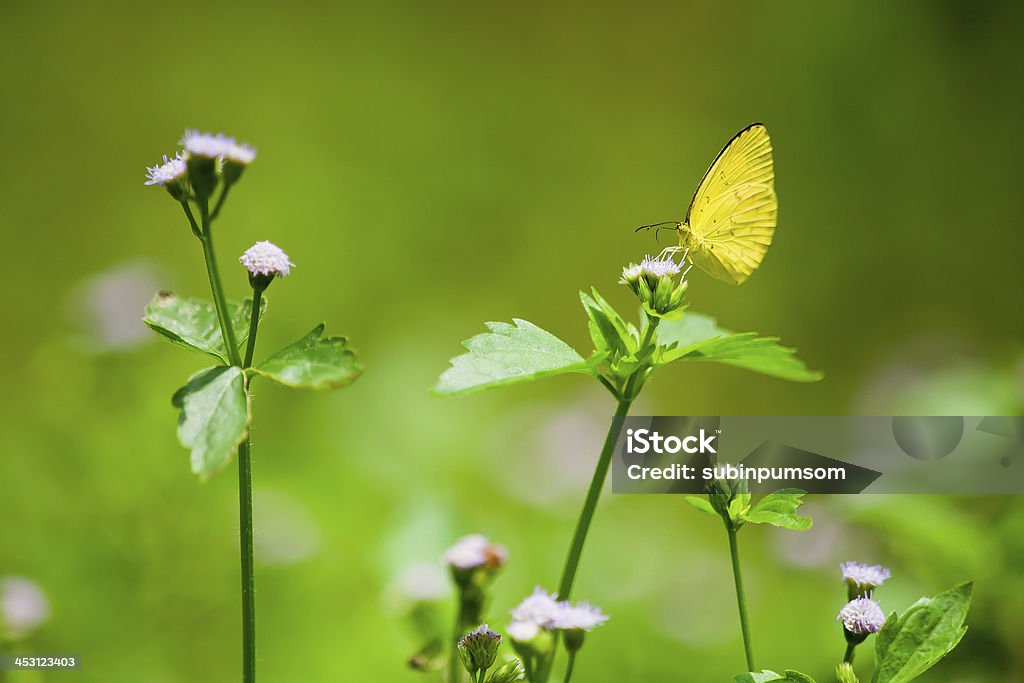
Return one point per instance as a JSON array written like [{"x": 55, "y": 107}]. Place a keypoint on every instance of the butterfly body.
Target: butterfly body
[{"x": 731, "y": 220}]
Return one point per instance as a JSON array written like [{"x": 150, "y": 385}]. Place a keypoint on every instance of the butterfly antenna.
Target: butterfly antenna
[{"x": 656, "y": 225}]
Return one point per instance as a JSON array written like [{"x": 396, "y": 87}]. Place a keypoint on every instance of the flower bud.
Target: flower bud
[
  {"x": 576, "y": 620},
  {"x": 845, "y": 674},
  {"x": 509, "y": 672},
  {"x": 265, "y": 261},
  {"x": 203, "y": 154},
  {"x": 653, "y": 283},
  {"x": 238, "y": 157},
  {"x": 478, "y": 648}
]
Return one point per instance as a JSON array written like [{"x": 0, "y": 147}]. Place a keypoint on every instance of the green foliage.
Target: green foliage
[
  {"x": 767, "y": 676},
  {"x": 779, "y": 509},
  {"x": 701, "y": 504},
  {"x": 214, "y": 417},
  {"x": 911, "y": 643},
  {"x": 697, "y": 337},
  {"x": 192, "y": 323},
  {"x": 313, "y": 362},
  {"x": 506, "y": 355}
]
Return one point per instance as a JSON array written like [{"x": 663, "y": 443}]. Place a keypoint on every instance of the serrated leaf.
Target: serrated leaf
[
  {"x": 779, "y": 509},
  {"x": 506, "y": 355},
  {"x": 798, "y": 677},
  {"x": 911, "y": 643},
  {"x": 214, "y": 417},
  {"x": 193, "y": 324},
  {"x": 697, "y": 337},
  {"x": 313, "y": 363},
  {"x": 701, "y": 504}
]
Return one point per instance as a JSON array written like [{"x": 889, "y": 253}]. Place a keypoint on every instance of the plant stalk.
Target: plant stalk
[
  {"x": 244, "y": 459},
  {"x": 569, "y": 666},
  {"x": 848, "y": 657},
  {"x": 741, "y": 597},
  {"x": 254, "y": 323}
]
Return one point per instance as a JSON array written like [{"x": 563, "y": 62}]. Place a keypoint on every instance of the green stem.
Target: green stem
[
  {"x": 248, "y": 573},
  {"x": 254, "y": 323},
  {"x": 741, "y": 597},
  {"x": 244, "y": 459},
  {"x": 219, "y": 301},
  {"x": 848, "y": 657},
  {"x": 572, "y": 560},
  {"x": 568, "y": 668},
  {"x": 220, "y": 202}
]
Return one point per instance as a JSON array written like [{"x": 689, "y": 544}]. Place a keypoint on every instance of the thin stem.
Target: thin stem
[
  {"x": 191, "y": 219},
  {"x": 848, "y": 657},
  {"x": 572, "y": 560},
  {"x": 568, "y": 668},
  {"x": 219, "y": 301},
  {"x": 454, "y": 664},
  {"x": 741, "y": 597},
  {"x": 254, "y": 323},
  {"x": 248, "y": 574},
  {"x": 220, "y": 202}
]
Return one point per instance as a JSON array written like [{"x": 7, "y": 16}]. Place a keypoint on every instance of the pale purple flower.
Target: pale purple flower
[
  {"x": 540, "y": 608},
  {"x": 170, "y": 171},
  {"x": 862, "y": 616},
  {"x": 522, "y": 631},
  {"x": 864, "y": 577},
  {"x": 475, "y": 550},
  {"x": 581, "y": 617},
  {"x": 660, "y": 267},
  {"x": 209, "y": 145},
  {"x": 23, "y": 606},
  {"x": 266, "y": 258},
  {"x": 241, "y": 154}
]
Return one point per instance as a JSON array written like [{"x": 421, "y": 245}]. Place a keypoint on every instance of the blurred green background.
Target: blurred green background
[{"x": 430, "y": 166}]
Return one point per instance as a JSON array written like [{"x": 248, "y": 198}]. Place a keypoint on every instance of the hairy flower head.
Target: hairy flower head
[
  {"x": 475, "y": 551},
  {"x": 579, "y": 617},
  {"x": 539, "y": 608},
  {"x": 266, "y": 258},
  {"x": 208, "y": 145},
  {"x": 478, "y": 648},
  {"x": 170, "y": 171},
  {"x": 864, "y": 578},
  {"x": 862, "y": 616}
]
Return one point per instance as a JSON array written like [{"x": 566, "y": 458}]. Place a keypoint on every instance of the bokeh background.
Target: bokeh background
[{"x": 430, "y": 166}]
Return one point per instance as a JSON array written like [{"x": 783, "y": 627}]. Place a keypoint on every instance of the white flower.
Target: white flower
[
  {"x": 658, "y": 267},
  {"x": 540, "y": 609},
  {"x": 266, "y": 258},
  {"x": 862, "y": 616},
  {"x": 208, "y": 145},
  {"x": 631, "y": 273},
  {"x": 863, "y": 576},
  {"x": 522, "y": 631},
  {"x": 582, "y": 617},
  {"x": 23, "y": 606},
  {"x": 475, "y": 550},
  {"x": 241, "y": 154},
  {"x": 168, "y": 172}
]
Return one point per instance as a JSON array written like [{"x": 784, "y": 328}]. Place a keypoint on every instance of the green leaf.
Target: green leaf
[
  {"x": 509, "y": 354},
  {"x": 779, "y": 509},
  {"x": 193, "y": 323},
  {"x": 609, "y": 331},
  {"x": 768, "y": 676},
  {"x": 910, "y": 644},
  {"x": 313, "y": 363},
  {"x": 701, "y": 504},
  {"x": 697, "y": 337},
  {"x": 214, "y": 417}
]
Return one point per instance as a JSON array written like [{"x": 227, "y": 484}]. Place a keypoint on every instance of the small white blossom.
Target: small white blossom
[
  {"x": 631, "y": 273},
  {"x": 658, "y": 267},
  {"x": 208, "y": 145},
  {"x": 522, "y": 631},
  {"x": 582, "y": 617},
  {"x": 475, "y": 550},
  {"x": 241, "y": 154},
  {"x": 23, "y": 606},
  {"x": 266, "y": 258},
  {"x": 862, "y": 616},
  {"x": 169, "y": 171},
  {"x": 864, "y": 576},
  {"x": 540, "y": 608}
]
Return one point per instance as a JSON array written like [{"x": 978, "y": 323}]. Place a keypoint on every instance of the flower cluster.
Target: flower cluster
[
  {"x": 207, "y": 159},
  {"x": 541, "y": 612},
  {"x": 478, "y": 648},
  {"x": 653, "y": 282},
  {"x": 475, "y": 551},
  {"x": 862, "y": 615}
]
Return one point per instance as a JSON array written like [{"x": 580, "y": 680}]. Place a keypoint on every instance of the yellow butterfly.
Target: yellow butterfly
[{"x": 731, "y": 219}]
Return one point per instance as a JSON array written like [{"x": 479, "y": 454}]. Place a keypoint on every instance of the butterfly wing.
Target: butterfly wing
[{"x": 731, "y": 220}]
